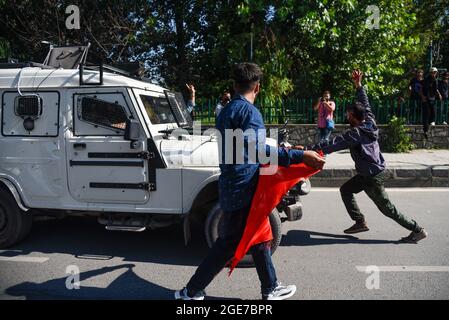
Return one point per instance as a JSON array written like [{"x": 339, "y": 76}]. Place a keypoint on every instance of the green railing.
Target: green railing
[{"x": 300, "y": 111}]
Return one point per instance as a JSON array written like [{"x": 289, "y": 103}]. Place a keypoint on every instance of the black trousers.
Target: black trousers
[
  {"x": 374, "y": 188},
  {"x": 428, "y": 114}
]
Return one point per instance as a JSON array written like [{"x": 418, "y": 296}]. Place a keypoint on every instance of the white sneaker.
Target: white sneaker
[
  {"x": 280, "y": 293},
  {"x": 432, "y": 123},
  {"x": 182, "y": 295},
  {"x": 445, "y": 123}
]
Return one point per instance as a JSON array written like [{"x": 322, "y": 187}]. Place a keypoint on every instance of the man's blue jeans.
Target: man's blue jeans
[
  {"x": 325, "y": 134},
  {"x": 223, "y": 250}
]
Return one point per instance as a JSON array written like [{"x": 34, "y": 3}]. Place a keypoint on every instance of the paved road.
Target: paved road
[{"x": 314, "y": 255}]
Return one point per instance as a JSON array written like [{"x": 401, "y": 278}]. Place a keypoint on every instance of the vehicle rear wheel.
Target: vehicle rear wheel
[
  {"x": 14, "y": 223},
  {"x": 212, "y": 231}
]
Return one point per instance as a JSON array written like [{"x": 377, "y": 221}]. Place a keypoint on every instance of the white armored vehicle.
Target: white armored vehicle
[{"x": 94, "y": 141}]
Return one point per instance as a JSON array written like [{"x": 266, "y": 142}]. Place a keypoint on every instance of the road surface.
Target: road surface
[{"x": 314, "y": 254}]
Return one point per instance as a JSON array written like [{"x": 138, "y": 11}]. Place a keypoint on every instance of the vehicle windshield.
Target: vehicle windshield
[
  {"x": 158, "y": 109},
  {"x": 179, "y": 109}
]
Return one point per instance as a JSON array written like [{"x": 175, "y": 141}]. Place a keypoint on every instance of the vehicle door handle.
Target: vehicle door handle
[{"x": 79, "y": 146}]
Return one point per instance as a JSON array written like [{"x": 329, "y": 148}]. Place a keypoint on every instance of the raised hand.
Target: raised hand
[
  {"x": 357, "y": 76},
  {"x": 190, "y": 88}
]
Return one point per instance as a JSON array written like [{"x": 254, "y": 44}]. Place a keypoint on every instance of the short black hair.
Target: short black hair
[
  {"x": 357, "y": 109},
  {"x": 246, "y": 75}
]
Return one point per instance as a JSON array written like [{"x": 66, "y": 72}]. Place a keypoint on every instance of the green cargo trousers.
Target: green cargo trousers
[{"x": 374, "y": 188}]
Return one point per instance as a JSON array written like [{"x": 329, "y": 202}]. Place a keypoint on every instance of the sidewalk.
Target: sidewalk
[{"x": 419, "y": 168}]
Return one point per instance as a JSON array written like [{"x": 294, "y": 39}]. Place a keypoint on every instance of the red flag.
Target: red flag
[{"x": 270, "y": 190}]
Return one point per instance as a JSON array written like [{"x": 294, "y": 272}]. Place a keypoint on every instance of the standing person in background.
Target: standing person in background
[
  {"x": 191, "y": 100},
  {"x": 326, "y": 108},
  {"x": 415, "y": 88},
  {"x": 225, "y": 99},
  {"x": 430, "y": 95},
  {"x": 444, "y": 88}
]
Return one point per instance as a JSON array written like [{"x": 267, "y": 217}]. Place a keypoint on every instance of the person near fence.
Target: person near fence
[
  {"x": 225, "y": 99},
  {"x": 237, "y": 185},
  {"x": 444, "y": 91},
  {"x": 430, "y": 95},
  {"x": 325, "y": 107},
  {"x": 415, "y": 88},
  {"x": 191, "y": 100},
  {"x": 362, "y": 141}
]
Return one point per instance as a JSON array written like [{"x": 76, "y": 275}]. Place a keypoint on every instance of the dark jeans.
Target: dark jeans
[
  {"x": 445, "y": 106},
  {"x": 325, "y": 134},
  {"x": 223, "y": 250},
  {"x": 411, "y": 111},
  {"x": 428, "y": 114},
  {"x": 374, "y": 188}
]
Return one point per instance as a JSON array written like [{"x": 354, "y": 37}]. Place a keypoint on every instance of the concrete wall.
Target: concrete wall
[{"x": 438, "y": 136}]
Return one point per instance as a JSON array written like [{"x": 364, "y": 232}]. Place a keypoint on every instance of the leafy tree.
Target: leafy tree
[
  {"x": 111, "y": 26},
  {"x": 330, "y": 38},
  {"x": 303, "y": 47}
]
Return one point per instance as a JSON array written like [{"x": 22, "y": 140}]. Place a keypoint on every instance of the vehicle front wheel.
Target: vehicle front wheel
[
  {"x": 14, "y": 223},
  {"x": 213, "y": 230}
]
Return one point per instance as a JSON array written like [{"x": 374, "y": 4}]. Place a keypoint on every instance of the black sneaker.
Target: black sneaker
[
  {"x": 359, "y": 226},
  {"x": 280, "y": 293},
  {"x": 182, "y": 295},
  {"x": 415, "y": 236}
]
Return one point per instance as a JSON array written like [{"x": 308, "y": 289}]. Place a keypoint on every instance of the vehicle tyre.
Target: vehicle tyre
[
  {"x": 15, "y": 224},
  {"x": 212, "y": 230}
]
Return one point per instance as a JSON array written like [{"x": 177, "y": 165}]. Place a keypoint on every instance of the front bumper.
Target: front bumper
[
  {"x": 294, "y": 211},
  {"x": 291, "y": 203}
]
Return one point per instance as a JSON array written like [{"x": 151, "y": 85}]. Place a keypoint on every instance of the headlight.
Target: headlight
[{"x": 304, "y": 187}]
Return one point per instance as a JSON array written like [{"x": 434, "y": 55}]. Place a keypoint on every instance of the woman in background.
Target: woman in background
[{"x": 326, "y": 108}]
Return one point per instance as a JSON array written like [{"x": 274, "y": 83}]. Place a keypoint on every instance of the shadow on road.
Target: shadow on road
[
  {"x": 126, "y": 286},
  {"x": 84, "y": 238},
  {"x": 313, "y": 238}
]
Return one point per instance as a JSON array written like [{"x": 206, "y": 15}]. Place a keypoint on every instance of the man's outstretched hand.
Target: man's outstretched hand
[
  {"x": 357, "y": 76},
  {"x": 191, "y": 90},
  {"x": 313, "y": 160}
]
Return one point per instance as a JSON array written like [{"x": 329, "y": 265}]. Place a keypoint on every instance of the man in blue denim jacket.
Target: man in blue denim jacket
[
  {"x": 362, "y": 142},
  {"x": 239, "y": 164}
]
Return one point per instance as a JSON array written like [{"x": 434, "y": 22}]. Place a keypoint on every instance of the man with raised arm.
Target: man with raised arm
[{"x": 362, "y": 141}]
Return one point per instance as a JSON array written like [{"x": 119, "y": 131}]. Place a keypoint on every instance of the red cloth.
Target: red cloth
[{"x": 270, "y": 190}]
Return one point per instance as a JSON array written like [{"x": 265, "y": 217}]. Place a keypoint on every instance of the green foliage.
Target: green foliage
[
  {"x": 304, "y": 47},
  {"x": 4, "y": 48},
  {"x": 113, "y": 27},
  {"x": 396, "y": 137},
  {"x": 334, "y": 40}
]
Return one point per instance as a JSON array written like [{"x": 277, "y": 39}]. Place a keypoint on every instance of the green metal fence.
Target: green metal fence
[{"x": 300, "y": 110}]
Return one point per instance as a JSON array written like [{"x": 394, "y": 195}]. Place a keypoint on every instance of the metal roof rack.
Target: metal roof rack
[
  {"x": 21, "y": 65},
  {"x": 75, "y": 57},
  {"x": 67, "y": 57},
  {"x": 134, "y": 71}
]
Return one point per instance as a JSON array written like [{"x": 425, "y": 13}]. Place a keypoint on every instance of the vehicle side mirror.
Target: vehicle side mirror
[{"x": 132, "y": 130}]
